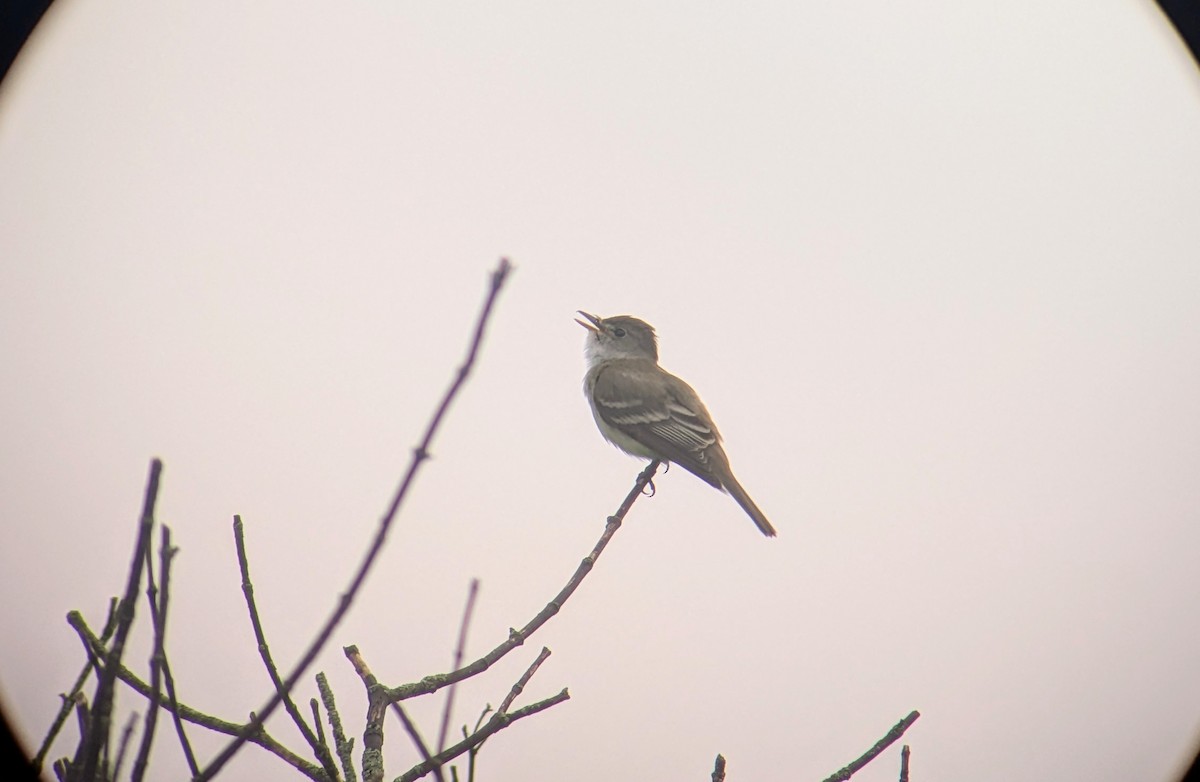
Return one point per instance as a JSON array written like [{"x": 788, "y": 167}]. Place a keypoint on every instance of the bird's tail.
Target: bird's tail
[{"x": 735, "y": 489}]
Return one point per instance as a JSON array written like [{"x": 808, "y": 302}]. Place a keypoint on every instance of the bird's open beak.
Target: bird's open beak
[{"x": 593, "y": 325}]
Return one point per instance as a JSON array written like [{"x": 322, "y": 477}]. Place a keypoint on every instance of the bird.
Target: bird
[{"x": 646, "y": 411}]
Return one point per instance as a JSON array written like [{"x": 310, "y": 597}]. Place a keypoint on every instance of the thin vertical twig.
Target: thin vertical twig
[
  {"x": 314, "y": 706},
  {"x": 459, "y": 648},
  {"x": 106, "y": 761},
  {"x": 904, "y": 753},
  {"x": 167, "y": 554},
  {"x": 158, "y": 614},
  {"x": 99, "y": 723},
  {"x": 83, "y": 712},
  {"x": 472, "y": 753},
  {"x": 126, "y": 735},
  {"x": 420, "y": 454},
  {"x": 343, "y": 745}
]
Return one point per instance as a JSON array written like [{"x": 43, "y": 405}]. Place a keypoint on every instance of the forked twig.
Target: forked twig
[
  {"x": 379, "y": 695},
  {"x": 264, "y": 650},
  {"x": 376, "y": 709},
  {"x": 487, "y": 709},
  {"x": 497, "y": 723},
  {"x": 505, "y": 704},
  {"x": 519, "y": 687}
]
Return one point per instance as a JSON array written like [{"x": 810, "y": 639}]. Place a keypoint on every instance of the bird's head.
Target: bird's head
[{"x": 620, "y": 336}]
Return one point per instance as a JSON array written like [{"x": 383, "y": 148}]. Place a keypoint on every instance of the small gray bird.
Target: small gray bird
[{"x": 646, "y": 411}]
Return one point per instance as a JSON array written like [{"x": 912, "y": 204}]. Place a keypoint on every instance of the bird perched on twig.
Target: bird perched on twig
[{"x": 646, "y": 411}]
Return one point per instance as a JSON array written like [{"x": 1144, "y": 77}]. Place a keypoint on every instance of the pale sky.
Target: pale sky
[{"x": 933, "y": 267}]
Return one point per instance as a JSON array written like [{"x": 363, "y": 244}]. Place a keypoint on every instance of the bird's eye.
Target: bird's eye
[{"x": 619, "y": 332}]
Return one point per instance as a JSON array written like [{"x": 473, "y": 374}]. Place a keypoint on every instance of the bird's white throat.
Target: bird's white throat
[{"x": 595, "y": 350}]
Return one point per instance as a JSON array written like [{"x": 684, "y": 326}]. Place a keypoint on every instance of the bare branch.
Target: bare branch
[
  {"x": 158, "y": 615},
  {"x": 904, "y": 753},
  {"x": 516, "y": 690},
  {"x": 344, "y": 746},
  {"x": 497, "y": 723},
  {"x": 69, "y": 698},
  {"x": 410, "y": 728},
  {"x": 517, "y": 637},
  {"x": 377, "y": 702},
  {"x": 264, "y": 651},
  {"x": 420, "y": 454},
  {"x": 459, "y": 648},
  {"x": 98, "y": 726},
  {"x": 315, "y": 706},
  {"x": 215, "y": 724},
  {"x": 168, "y": 677},
  {"x": 718, "y": 774},
  {"x": 372, "y": 757},
  {"x": 126, "y": 735},
  {"x": 519, "y": 687},
  {"x": 474, "y": 750},
  {"x": 82, "y": 711},
  {"x": 892, "y": 736}
]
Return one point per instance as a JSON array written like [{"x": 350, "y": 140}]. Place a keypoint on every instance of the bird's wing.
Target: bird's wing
[{"x": 661, "y": 412}]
